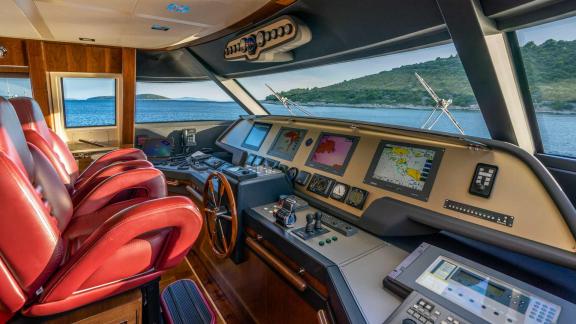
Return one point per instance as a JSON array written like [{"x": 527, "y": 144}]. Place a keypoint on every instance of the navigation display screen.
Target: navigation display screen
[
  {"x": 256, "y": 136},
  {"x": 405, "y": 168},
  {"x": 157, "y": 148},
  {"x": 332, "y": 152},
  {"x": 287, "y": 143}
]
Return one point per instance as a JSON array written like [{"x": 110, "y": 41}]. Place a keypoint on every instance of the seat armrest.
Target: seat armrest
[
  {"x": 127, "y": 154},
  {"x": 150, "y": 180},
  {"x": 178, "y": 215},
  {"x": 105, "y": 173}
]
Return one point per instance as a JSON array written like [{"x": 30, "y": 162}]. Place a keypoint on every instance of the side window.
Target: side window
[
  {"x": 549, "y": 57},
  {"x": 15, "y": 86},
  {"x": 186, "y": 101},
  {"x": 89, "y": 102}
]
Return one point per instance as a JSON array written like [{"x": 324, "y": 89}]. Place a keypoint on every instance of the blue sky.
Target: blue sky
[{"x": 307, "y": 78}]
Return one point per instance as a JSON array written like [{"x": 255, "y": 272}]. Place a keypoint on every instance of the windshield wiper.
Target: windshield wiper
[{"x": 288, "y": 104}]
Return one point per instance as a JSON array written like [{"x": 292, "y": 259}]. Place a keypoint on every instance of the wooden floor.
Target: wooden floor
[{"x": 190, "y": 268}]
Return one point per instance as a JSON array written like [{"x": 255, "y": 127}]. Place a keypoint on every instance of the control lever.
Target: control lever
[
  {"x": 309, "y": 223},
  {"x": 318, "y": 217}
]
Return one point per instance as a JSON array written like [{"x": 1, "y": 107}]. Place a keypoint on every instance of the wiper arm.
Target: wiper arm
[{"x": 287, "y": 103}]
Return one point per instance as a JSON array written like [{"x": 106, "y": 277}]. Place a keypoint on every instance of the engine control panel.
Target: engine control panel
[{"x": 330, "y": 236}]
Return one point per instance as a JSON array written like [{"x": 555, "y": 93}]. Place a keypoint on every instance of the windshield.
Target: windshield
[{"x": 424, "y": 88}]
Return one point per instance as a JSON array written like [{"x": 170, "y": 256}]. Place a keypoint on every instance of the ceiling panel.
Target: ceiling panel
[
  {"x": 13, "y": 22},
  {"x": 204, "y": 12},
  {"x": 125, "y": 6},
  {"x": 120, "y": 22}
]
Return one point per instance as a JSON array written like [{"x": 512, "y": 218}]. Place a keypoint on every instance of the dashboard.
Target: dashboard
[{"x": 352, "y": 166}]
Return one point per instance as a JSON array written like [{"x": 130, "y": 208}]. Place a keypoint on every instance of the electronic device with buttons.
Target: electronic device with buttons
[
  {"x": 285, "y": 215},
  {"x": 240, "y": 173},
  {"x": 483, "y": 180},
  {"x": 463, "y": 291}
]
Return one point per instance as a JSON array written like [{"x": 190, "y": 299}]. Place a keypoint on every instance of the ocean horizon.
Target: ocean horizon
[{"x": 557, "y": 129}]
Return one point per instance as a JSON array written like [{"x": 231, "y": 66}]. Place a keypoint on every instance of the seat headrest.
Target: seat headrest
[
  {"x": 30, "y": 115},
  {"x": 12, "y": 140}
]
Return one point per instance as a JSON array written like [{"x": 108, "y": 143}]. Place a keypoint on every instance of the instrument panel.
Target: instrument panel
[{"x": 437, "y": 173}]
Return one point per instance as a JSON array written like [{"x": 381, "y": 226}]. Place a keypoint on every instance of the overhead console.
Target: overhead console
[
  {"x": 381, "y": 175},
  {"x": 269, "y": 43}
]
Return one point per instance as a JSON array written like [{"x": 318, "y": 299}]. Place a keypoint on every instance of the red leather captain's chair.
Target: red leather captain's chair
[
  {"x": 45, "y": 269},
  {"x": 38, "y": 133}
]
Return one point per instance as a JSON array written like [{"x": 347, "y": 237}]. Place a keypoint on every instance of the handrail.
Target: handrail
[{"x": 275, "y": 263}]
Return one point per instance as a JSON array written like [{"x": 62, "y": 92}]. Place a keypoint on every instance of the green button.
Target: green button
[
  {"x": 328, "y": 241},
  {"x": 334, "y": 238},
  {"x": 321, "y": 243}
]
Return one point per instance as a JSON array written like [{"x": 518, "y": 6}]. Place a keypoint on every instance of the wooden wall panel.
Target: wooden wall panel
[
  {"x": 16, "y": 52},
  {"x": 61, "y": 57},
  {"x": 129, "y": 94},
  {"x": 39, "y": 58},
  {"x": 39, "y": 77}
]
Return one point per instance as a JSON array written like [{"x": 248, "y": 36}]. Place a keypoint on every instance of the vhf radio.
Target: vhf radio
[{"x": 188, "y": 139}]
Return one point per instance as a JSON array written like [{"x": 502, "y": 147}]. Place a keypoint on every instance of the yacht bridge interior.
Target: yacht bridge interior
[{"x": 288, "y": 161}]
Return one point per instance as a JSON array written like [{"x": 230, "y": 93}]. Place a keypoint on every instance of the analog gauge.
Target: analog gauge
[
  {"x": 243, "y": 44},
  {"x": 260, "y": 39},
  {"x": 250, "y": 43},
  {"x": 357, "y": 197},
  {"x": 280, "y": 31},
  {"x": 273, "y": 34},
  {"x": 267, "y": 36},
  {"x": 292, "y": 173},
  {"x": 287, "y": 29},
  {"x": 321, "y": 185},
  {"x": 339, "y": 191}
]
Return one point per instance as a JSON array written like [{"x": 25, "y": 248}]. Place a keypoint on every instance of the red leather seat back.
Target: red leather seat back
[
  {"x": 38, "y": 133},
  {"x": 31, "y": 248}
]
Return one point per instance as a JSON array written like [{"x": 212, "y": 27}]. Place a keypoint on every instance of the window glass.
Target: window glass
[
  {"x": 380, "y": 89},
  {"x": 15, "y": 87},
  {"x": 549, "y": 55},
  {"x": 89, "y": 102},
  {"x": 188, "y": 101}
]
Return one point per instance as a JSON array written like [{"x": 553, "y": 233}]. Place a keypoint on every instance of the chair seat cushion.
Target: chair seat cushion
[{"x": 135, "y": 258}]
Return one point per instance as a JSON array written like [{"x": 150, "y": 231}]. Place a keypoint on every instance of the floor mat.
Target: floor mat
[{"x": 183, "y": 302}]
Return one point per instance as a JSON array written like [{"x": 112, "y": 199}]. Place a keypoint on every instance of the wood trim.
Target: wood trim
[
  {"x": 62, "y": 57},
  {"x": 16, "y": 52},
  {"x": 14, "y": 69},
  {"x": 128, "y": 95},
  {"x": 310, "y": 280},
  {"x": 39, "y": 77},
  {"x": 293, "y": 278}
]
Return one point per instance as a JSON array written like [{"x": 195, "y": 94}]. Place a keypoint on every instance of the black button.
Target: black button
[{"x": 408, "y": 321}]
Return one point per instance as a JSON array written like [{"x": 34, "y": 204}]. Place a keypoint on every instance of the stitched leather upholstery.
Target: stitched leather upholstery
[
  {"x": 37, "y": 132},
  {"x": 55, "y": 257}
]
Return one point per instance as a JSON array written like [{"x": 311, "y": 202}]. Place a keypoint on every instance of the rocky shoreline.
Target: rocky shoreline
[{"x": 414, "y": 107}]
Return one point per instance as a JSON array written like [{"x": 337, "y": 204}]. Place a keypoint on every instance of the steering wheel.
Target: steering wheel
[{"x": 220, "y": 214}]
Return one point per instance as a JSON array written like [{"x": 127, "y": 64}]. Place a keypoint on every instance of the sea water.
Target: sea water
[{"x": 558, "y": 130}]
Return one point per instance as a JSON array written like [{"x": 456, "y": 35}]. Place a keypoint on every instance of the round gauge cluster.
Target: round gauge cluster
[{"x": 249, "y": 44}]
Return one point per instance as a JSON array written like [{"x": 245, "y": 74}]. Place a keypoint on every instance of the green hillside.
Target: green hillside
[
  {"x": 150, "y": 96},
  {"x": 551, "y": 69}
]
